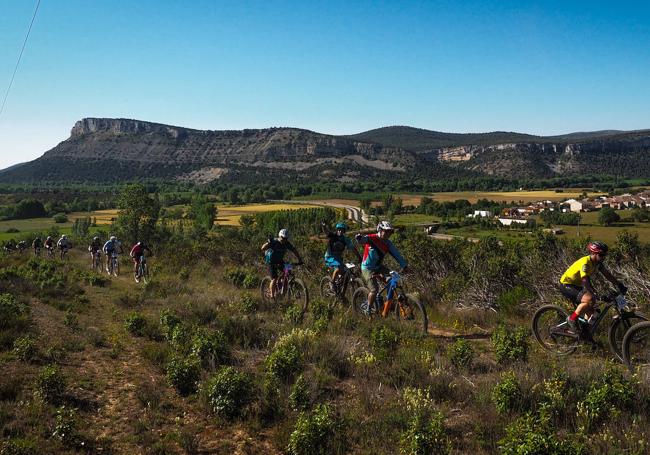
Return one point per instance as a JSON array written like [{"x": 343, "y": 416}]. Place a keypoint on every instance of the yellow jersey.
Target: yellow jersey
[{"x": 583, "y": 267}]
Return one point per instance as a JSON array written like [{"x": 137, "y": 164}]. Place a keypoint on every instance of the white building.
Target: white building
[
  {"x": 572, "y": 205},
  {"x": 510, "y": 221},
  {"x": 480, "y": 214}
]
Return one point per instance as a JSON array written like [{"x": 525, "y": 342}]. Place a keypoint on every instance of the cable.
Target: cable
[{"x": 20, "y": 56}]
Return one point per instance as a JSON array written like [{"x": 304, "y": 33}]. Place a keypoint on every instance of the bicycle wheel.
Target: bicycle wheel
[
  {"x": 552, "y": 331},
  {"x": 326, "y": 288},
  {"x": 145, "y": 273},
  {"x": 297, "y": 294},
  {"x": 411, "y": 312},
  {"x": 265, "y": 291},
  {"x": 619, "y": 328},
  {"x": 636, "y": 348},
  {"x": 359, "y": 301}
]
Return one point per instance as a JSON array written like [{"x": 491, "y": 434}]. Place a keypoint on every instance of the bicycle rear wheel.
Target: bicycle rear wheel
[
  {"x": 636, "y": 349},
  {"x": 619, "y": 328},
  {"x": 265, "y": 291},
  {"x": 411, "y": 312},
  {"x": 552, "y": 331},
  {"x": 297, "y": 294}
]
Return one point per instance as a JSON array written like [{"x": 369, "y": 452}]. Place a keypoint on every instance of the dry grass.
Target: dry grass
[
  {"x": 508, "y": 196},
  {"x": 228, "y": 215}
]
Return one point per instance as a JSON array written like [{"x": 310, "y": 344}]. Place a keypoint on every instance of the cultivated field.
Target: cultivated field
[
  {"x": 508, "y": 196},
  {"x": 229, "y": 215}
]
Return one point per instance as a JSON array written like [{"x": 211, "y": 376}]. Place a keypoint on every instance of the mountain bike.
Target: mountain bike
[
  {"x": 64, "y": 252},
  {"x": 142, "y": 270},
  {"x": 37, "y": 252},
  {"x": 407, "y": 309},
  {"x": 96, "y": 264},
  {"x": 552, "y": 331},
  {"x": 342, "y": 289},
  {"x": 636, "y": 349},
  {"x": 112, "y": 264},
  {"x": 287, "y": 287},
  {"x": 50, "y": 252}
]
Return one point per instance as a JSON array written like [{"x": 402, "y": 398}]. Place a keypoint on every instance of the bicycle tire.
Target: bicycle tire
[
  {"x": 325, "y": 288},
  {"x": 617, "y": 330},
  {"x": 636, "y": 348},
  {"x": 265, "y": 283},
  {"x": 145, "y": 274},
  {"x": 359, "y": 301},
  {"x": 544, "y": 331},
  {"x": 419, "y": 320},
  {"x": 297, "y": 293}
]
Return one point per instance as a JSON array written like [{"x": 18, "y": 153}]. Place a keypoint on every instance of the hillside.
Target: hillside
[{"x": 122, "y": 149}]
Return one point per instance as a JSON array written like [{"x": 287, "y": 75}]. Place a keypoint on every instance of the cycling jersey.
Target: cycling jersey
[
  {"x": 276, "y": 251},
  {"x": 375, "y": 248},
  {"x": 337, "y": 245},
  {"x": 138, "y": 251},
  {"x": 36, "y": 243},
  {"x": 111, "y": 246},
  {"x": 49, "y": 243},
  {"x": 63, "y": 243},
  {"x": 580, "y": 269},
  {"x": 95, "y": 247}
]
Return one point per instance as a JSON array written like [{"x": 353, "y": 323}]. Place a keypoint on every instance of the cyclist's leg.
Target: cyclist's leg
[
  {"x": 586, "y": 305},
  {"x": 273, "y": 272},
  {"x": 372, "y": 284}
]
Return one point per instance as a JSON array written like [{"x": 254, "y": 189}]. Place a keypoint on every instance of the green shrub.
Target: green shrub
[
  {"x": 228, "y": 392},
  {"x": 248, "y": 304},
  {"x": 10, "y": 310},
  {"x": 50, "y": 384},
  {"x": 425, "y": 433},
  {"x": 210, "y": 347},
  {"x": 509, "y": 300},
  {"x": 384, "y": 340},
  {"x": 531, "y": 435},
  {"x": 241, "y": 277},
  {"x": 65, "y": 427},
  {"x": 60, "y": 218},
  {"x": 19, "y": 446},
  {"x": 320, "y": 432},
  {"x": 287, "y": 356},
  {"x": 168, "y": 321},
  {"x": 510, "y": 346},
  {"x": 71, "y": 320},
  {"x": 460, "y": 353},
  {"x": 136, "y": 324},
  {"x": 300, "y": 396},
  {"x": 25, "y": 349},
  {"x": 92, "y": 278},
  {"x": 607, "y": 397},
  {"x": 12, "y": 231},
  {"x": 184, "y": 373},
  {"x": 180, "y": 337},
  {"x": 506, "y": 394},
  {"x": 294, "y": 314},
  {"x": 552, "y": 394}
]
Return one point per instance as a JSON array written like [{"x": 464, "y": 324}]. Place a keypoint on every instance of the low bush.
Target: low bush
[
  {"x": 10, "y": 311},
  {"x": 19, "y": 446},
  {"x": 531, "y": 435},
  {"x": 294, "y": 314},
  {"x": 241, "y": 277},
  {"x": 425, "y": 432},
  {"x": 248, "y": 304},
  {"x": 384, "y": 340},
  {"x": 552, "y": 392},
  {"x": 168, "y": 321},
  {"x": 607, "y": 397},
  {"x": 460, "y": 353},
  {"x": 510, "y": 346},
  {"x": 25, "y": 349},
  {"x": 65, "y": 427},
  {"x": 300, "y": 396},
  {"x": 71, "y": 321},
  {"x": 506, "y": 394},
  {"x": 136, "y": 324},
  {"x": 184, "y": 373},
  {"x": 50, "y": 384},
  {"x": 317, "y": 433},
  {"x": 229, "y": 392},
  {"x": 286, "y": 358},
  {"x": 211, "y": 347},
  {"x": 60, "y": 218}
]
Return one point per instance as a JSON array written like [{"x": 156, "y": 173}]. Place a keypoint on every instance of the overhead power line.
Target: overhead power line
[{"x": 20, "y": 56}]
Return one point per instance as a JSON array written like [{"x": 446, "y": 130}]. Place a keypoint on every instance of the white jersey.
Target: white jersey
[{"x": 63, "y": 243}]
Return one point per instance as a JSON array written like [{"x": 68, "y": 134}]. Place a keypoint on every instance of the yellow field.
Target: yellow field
[
  {"x": 508, "y": 196},
  {"x": 228, "y": 215}
]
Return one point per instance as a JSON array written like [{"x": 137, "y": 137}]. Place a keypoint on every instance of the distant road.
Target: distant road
[{"x": 353, "y": 213}]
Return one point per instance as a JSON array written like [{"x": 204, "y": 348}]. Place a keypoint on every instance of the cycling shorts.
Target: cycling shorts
[
  {"x": 374, "y": 283},
  {"x": 333, "y": 263},
  {"x": 276, "y": 269},
  {"x": 572, "y": 292}
]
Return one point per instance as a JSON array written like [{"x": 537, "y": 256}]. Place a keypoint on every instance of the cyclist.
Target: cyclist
[
  {"x": 49, "y": 245},
  {"x": 37, "y": 244},
  {"x": 10, "y": 245},
  {"x": 111, "y": 249},
  {"x": 95, "y": 248},
  {"x": 137, "y": 253},
  {"x": 575, "y": 283},
  {"x": 376, "y": 246},
  {"x": 64, "y": 245},
  {"x": 337, "y": 243},
  {"x": 22, "y": 246},
  {"x": 274, "y": 251}
]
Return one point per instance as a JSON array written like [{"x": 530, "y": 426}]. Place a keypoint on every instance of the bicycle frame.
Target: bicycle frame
[
  {"x": 610, "y": 302},
  {"x": 389, "y": 288}
]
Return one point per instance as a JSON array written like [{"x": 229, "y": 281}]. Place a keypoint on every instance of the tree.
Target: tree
[
  {"x": 29, "y": 208},
  {"x": 607, "y": 216},
  {"x": 138, "y": 213},
  {"x": 203, "y": 212}
]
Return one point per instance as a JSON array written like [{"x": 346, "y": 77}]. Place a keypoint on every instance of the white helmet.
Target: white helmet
[
  {"x": 283, "y": 234},
  {"x": 64, "y": 236},
  {"x": 385, "y": 226},
  {"x": 113, "y": 238}
]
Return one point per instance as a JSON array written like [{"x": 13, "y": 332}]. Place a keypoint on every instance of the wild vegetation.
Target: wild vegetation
[{"x": 194, "y": 361}]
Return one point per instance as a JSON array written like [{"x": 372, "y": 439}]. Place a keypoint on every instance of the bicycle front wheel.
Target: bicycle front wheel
[
  {"x": 326, "y": 288},
  {"x": 359, "y": 301},
  {"x": 411, "y": 312},
  {"x": 619, "y": 328},
  {"x": 636, "y": 349},
  {"x": 552, "y": 331},
  {"x": 297, "y": 294}
]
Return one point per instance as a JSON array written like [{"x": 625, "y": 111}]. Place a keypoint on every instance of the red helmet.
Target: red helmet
[{"x": 597, "y": 248}]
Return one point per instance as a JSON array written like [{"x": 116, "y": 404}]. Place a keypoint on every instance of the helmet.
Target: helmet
[
  {"x": 139, "y": 243},
  {"x": 64, "y": 236},
  {"x": 385, "y": 226},
  {"x": 341, "y": 226},
  {"x": 597, "y": 248},
  {"x": 49, "y": 237},
  {"x": 283, "y": 234},
  {"x": 113, "y": 238},
  {"x": 95, "y": 238}
]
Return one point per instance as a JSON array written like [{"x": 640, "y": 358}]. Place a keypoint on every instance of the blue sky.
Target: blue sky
[{"x": 340, "y": 67}]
